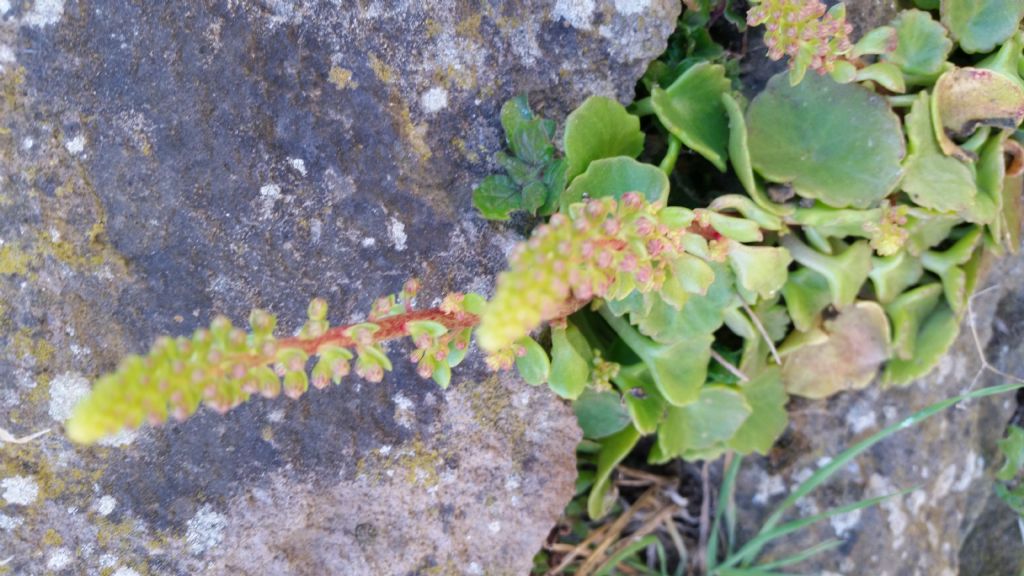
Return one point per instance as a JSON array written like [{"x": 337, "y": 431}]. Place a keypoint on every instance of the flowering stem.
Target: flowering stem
[{"x": 390, "y": 328}]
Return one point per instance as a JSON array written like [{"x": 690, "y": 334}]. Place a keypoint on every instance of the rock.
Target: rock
[
  {"x": 162, "y": 162},
  {"x": 948, "y": 460}
]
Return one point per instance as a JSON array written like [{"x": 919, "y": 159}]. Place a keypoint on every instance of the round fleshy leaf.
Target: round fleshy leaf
[
  {"x": 922, "y": 44},
  {"x": 856, "y": 346},
  {"x": 713, "y": 418},
  {"x": 966, "y": 98},
  {"x": 693, "y": 111},
  {"x": 981, "y": 25},
  {"x": 533, "y": 364},
  {"x": 570, "y": 362},
  {"x": 839, "y": 143},
  {"x": 600, "y": 414},
  {"x": 600, "y": 128},
  {"x": 933, "y": 179},
  {"x": 614, "y": 177}
]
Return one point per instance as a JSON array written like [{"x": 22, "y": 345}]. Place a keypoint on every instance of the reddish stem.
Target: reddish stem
[{"x": 389, "y": 328}]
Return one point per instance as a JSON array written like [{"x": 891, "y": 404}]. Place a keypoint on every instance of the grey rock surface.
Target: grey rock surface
[
  {"x": 948, "y": 460},
  {"x": 164, "y": 161}
]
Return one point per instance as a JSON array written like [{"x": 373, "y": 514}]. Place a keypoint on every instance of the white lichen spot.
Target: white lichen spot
[
  {"x": 973, "y": 469},
  {"x": 27, "y": 143},
  {"x": 76, "y": 145},
  {"x": 434, "y": 100},
  {"x": 944, "y": 483},
  {"x": 106, "y": 505},
  {"x": 404, "y": 414},
  {"x": 8, "y": 523},
  {"x": 22, "y": 490},
  {"x": 58, "y": 559},
  {"x": 494, "y": 527},
  {"x": 861, "y": 417},
  {"x": 767, "y": 488},
  {"x": 66, "y": 390},
  {"x": 384, "y": 450},
  {"x": 6, "y": 56},
  {"x": 269, "y": 195},
  {"x": 107, "y": 560},
  {"x": 276, "y": 416},
  {"x": 125, "y": 571},
  {"x": 44, "y": 13},
  {"x": 5, "y": 7},
  {"x": 205, "y": 530},
  {"x": 368, "y": 242},
  {"x": 578, "y": 13},
  {"x": 512, "y": 483},
  {"x": 843, "y": 523},
  {"x": 316, "y": 230},
  {"x": 474, "y": 569},
  {"x": 299, "y": 165},
  {"x": 916, "y": 499},
  {"x": 631, "y": 7},
  {"x": 892, "y": 506},
  {"x": 396, "y": 233}
]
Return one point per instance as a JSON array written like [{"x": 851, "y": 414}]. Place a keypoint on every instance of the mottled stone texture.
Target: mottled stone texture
[
  {"x": 164, "y": 161},
  {"x": 948, "y": 459}
]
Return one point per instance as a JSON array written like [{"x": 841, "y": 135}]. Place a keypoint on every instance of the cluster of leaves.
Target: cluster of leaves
[{"x": 873, "y": 194}]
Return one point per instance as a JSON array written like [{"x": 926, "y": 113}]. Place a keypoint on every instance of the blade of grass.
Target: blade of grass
[
  {"x": 825, "y": 472},
  {"x": 753, "y": 572},
  {"x": 803, "y": 555},
  {"x": 728, "y": 485},
  {"x": 750, "y": 550}
]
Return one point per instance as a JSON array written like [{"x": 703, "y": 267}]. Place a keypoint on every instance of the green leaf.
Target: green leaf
[
  {"x": 614, "y": 177},
  {"x": 679, "y": 370},
  {"x": 442, "y": 375},
  {"x": 807, "y": 294},
  {"x": 845, "y": 272},
  {"x": 759, "y": 269},
  {"x": 528, "y": 137},
  {"x": 692, "y": 110},
  {"x": 891, "y": 275},
  {"x": 1012, "y": 449},
  {"x": 936, "y": 336},
  {"x": 907, "y": 313},
  {"x": 839, "y": 143},
  {"x": 643, "y": 401},
  {"x": 768, "y": 418},
  {"x": 714, "y": 418},
  {"x": 600, "y": 128},
  {"x": 885, "y": 74},
  {"x": 739, "y": 151},
  {"x": 922, "y": 44},
  {"x": 981, "y": 25},
  {"x": 932, "y": 179},
  {"x": 613, "y": 450},
  {"x": 600, "y": 414},
  {"x": 570, "y": 362},
  {"x": 533, "y": 365},
  {"x": 496, "y": 197}
]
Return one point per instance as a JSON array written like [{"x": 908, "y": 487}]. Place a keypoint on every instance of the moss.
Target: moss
[
  {"x": 341, "y": 78},
  {"x": 413, "y": 464},
  {"x": 384, "y": 73},
  {"x": 52, "y": 538},
  {"x": 23, "y": 345},
  {"x": 13, "y": 260}
]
